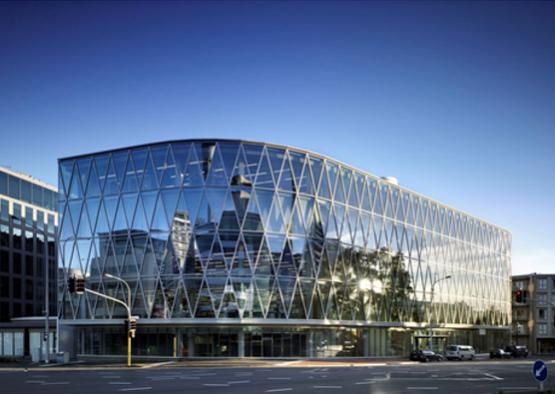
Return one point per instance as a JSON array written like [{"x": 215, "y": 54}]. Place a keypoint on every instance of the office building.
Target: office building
[
  {"x": 238, "y": 248},
  {"x": 28, "y": 263},
  {"x": 533, "y": 302}
]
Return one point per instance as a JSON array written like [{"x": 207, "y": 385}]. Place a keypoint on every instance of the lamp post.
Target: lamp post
[
  {"x": 430, "y": 333},
  {"x": 76, "y": 284},
  {"x": 131, "y": 320}
]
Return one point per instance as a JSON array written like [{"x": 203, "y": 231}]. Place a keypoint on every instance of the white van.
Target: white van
[{"x": 459, "y": 352}]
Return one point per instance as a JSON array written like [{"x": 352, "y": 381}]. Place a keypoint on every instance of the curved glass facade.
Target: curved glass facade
[{"x": 239, "y": 232}]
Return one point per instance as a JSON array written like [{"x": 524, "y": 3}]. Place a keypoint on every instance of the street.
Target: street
[{"x": 294, "y": 376}]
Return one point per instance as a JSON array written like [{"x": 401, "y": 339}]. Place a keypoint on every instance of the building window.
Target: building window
[
  {"x": 542, "y": 284},
  {"x": 4, "y": 261},
  {"x": 5, "y": 286},
  {"x": 542, "y": 299},
  {"x": 5, "y": 210},
  {"x": 16, "y": 213},
  {"x": 542, "y": 329},
  {"x": 519, "y": 284},
  {"x": 541, "y": 313},
  {"x": 16, "y": 288},
  {"x": 29, "y": 217},
  {"x": 4, "y": 235}
]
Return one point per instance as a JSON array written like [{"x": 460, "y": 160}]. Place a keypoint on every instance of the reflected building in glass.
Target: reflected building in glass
[{"x": 238, "y": 248}]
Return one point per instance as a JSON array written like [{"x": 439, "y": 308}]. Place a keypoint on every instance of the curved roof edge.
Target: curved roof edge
[{"x": 280, "y": 146}]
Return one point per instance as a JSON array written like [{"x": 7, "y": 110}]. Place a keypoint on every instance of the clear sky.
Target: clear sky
[{"x": 455, "y": 99}]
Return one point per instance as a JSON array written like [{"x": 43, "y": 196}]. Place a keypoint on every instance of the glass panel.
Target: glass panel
[
  {"x": 14, "y": 187},
  {"x": 3, "y": 183}
]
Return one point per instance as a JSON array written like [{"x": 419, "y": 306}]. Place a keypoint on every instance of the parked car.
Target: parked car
[
  {"x": 499, "y": 353},
  {"x": 517, "y": 351},
  {"x": 425, "y": 356},
  {"x": 460, "y": 352}
]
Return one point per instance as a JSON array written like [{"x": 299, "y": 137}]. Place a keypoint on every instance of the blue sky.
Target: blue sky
[{"x": 455, "y": 99}]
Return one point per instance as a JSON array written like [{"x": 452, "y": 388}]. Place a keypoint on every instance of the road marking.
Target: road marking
[
  {"x": 157, "y": 364},
  {"x": 276, "y": 390},
  {"x": 216, "y": 384},
  {"x": 370, "y": 382},
  {"x": 279, "y": 378},
  {"x": 238, "y": 381},
  {"x": 289, "y": 363},
  {"x": 518, "y": 388},
  {"x": 54, "y": 383},
  {"x": 327, "y": 387},
  {"x": 422, "y": 388},
  {"x": 493, "y": 376},
  {"x": 35, "y": 381},
  {"x": 119, "y": 383},
  {"x": 135, "y": 389},
  {"x": 189, "y": 377}
]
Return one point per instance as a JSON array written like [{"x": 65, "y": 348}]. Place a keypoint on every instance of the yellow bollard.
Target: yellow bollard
[
  {"x": 128, "y": 349},
  {"x": 175, "y": 346}
]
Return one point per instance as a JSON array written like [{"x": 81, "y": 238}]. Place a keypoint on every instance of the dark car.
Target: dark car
[
  {"x": 425, "y": 356},
  {"x": 499, "y": 353},
  {"x": 517, "y": 351}
]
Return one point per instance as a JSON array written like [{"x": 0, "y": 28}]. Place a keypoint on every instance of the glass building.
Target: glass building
[
  {"x": 28, "y": 263},
  {"x": 236, "y": 248}
]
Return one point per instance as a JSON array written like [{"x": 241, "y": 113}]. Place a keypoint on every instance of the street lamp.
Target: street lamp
[
  {"x": 431, "y": 309},
  {"x": 131, "y": 320}
]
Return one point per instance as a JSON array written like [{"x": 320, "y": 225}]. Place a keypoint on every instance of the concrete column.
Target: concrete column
[
  {"x": 310, "y": 344},
  {"x": 178, "y": 342},
  {"x": 191, "y": 345},
  {"x": 366, "y": 343},
  {"x": 241, "y": 343}
]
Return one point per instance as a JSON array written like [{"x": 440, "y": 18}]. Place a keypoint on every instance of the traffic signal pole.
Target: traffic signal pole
[
  {"x": 77, "y": 285},
  {"x": 129, "y": 318}
]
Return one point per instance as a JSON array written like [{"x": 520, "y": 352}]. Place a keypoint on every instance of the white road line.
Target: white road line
[
  {"x": 119, "y": 383},
  {"x": 35, "y": 381},
  {"x": 189, "y": 377},
  {"x": 54, "y": 383},
  {"x": 422, "y": 388},
  {"x": 370, "y": 382},
  {"x": 276, "y": 390},
  {"x": 289, "y": 363},
  {"x": 279, "y": 378},
  {"x": 327, "y": 387},
  {"x": 238, "y": 381},
  {"x": 157, "y": 364},
  {"x": 216, "y": 384},
  {"x": 136, "y": 389},
  {"x": 518, "y": 388},
  {"x": 493, "y": 376}
]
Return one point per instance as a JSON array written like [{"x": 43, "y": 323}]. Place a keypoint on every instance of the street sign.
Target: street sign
[{"x": 540, "y": 371}]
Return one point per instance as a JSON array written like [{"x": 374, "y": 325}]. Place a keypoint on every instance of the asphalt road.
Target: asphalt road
[{"x": 474, "y": 377}]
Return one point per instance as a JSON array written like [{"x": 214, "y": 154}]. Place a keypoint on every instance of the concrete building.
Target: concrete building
[{"x": 533, "y": 304}]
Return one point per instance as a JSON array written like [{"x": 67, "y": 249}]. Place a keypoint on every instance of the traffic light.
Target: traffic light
[
  {"x": 132, "y": 326},
  {"x": 71, "y": 284},
  {"x": 518, "y": 296},
  {"x": 76, "y": 284},
  {"x": 80, "y": 285}
]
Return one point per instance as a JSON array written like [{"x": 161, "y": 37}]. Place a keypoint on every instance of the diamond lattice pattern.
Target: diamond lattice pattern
[{"x": 242, "y": 230}]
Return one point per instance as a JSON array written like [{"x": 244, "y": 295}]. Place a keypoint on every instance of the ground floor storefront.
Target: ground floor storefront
[
  {"x": 545, "y": 346},
  {"x": 25, "y": 337},
  {"x": 277, "y": 342}
]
